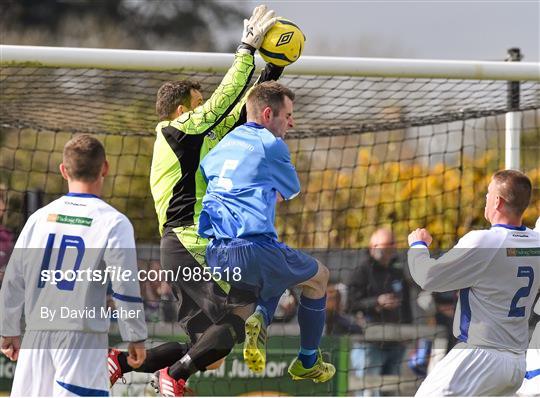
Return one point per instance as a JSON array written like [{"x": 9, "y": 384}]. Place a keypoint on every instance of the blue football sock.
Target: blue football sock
[
  {"x": 311, "y": 315},
  {"x": 267, "y": 308},
  {"x": 307, "y": 357}
]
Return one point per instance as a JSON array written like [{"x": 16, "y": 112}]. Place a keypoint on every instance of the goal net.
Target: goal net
[{"x": 373, "y": 146}]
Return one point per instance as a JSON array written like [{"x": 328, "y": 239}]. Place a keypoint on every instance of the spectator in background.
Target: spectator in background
[
  {"x": 440, "y": 309},
  {"x": 445, "y": 307},
  {"x": 337, "y": 322},
  {"x": 150, "y": 291},
  {"x": 377, "y": 287},
  {"x": 379, "y": 293},
  {"x": 287, "y": 307},
  {"x": 6, "y": 235},
  {"x": 157, "y": 295}
]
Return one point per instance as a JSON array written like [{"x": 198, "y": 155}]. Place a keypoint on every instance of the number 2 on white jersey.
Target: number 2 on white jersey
[
  {"x": 523, "y": 272},
  {"x": 224, "y": 182}
]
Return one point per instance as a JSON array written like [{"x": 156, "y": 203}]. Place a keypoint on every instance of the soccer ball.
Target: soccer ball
[{"x": 283, "y": 43}]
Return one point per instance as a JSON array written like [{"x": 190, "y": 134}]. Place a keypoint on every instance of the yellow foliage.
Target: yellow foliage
[
  {"x": 349, "y": 193},
  {"x": 447, "y": 200}
]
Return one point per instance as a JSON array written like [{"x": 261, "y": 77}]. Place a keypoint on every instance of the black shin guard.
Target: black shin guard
[
  {"x": 157, "y": 358},
  {"x": 216, "y": 343}
]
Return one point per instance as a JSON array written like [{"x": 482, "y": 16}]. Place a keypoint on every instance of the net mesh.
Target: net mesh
[
  {"x": 370, "y": 152},
  {"x": 121, "y": 102}
]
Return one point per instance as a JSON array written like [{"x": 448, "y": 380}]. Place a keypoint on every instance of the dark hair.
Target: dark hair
[
  {"x": 271, "y": 94},
  {"x": 515, "y": 188},
  {"x": 83, "y": 158},
  {"x": 173, "y": 94}
]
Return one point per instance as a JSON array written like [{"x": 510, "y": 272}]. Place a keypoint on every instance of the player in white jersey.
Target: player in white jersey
[
  {"x": 58, "y": 275},
  {"x": 531, "y": 383},
  {"x": 497, "y": 273}
]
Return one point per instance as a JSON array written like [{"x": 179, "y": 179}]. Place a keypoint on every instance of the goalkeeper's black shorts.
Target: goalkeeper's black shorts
[{"x": 202, "y": 302}]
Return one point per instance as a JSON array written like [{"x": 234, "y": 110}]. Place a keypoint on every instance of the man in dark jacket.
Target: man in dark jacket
[
  {"x": 378, "y": 287},
  {"x": 378, "y": 292}
]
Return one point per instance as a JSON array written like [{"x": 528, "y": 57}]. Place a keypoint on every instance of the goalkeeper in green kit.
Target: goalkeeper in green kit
[{"x": 211, "y": 311}]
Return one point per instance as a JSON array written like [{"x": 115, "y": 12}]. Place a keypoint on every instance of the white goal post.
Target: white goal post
[{"x": 307, "y": 65}]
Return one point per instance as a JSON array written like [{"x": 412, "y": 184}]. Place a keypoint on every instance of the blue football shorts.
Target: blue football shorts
[{"x": 260, "y": 264}]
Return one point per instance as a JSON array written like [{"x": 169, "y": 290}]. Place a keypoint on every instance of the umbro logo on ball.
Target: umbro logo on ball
[{"x": 285, "y": 38}]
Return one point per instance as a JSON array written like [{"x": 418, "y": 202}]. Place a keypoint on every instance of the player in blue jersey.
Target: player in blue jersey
[{"x": 247, "y": 172}]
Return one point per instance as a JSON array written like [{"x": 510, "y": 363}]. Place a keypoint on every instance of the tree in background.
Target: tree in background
[{"x": 187, "y": 25}]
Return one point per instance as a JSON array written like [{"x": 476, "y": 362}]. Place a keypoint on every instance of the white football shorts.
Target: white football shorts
[
  {"x": 531, "y": 383},
  {"x": 62, "y": 364},
  {"x": 472, "y": 371}
]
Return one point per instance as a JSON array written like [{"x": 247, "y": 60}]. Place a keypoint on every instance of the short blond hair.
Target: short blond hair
[{"x": 515, "y": 188}]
